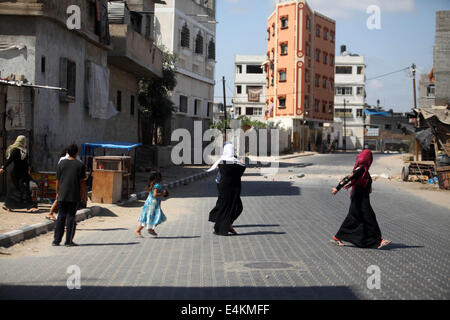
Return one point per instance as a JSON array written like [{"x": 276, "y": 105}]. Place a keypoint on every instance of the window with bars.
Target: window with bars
[
  {"x": 185, "y": 34},
  {"x": 132, "y": 105},
  {"x": 211, "y": 50},
  {"x": 282, "y": 102},
  {"x": 199, "y": 43}
]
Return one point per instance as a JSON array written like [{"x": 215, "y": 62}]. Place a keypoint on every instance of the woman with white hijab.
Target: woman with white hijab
[{"x": 229, "y": 205}]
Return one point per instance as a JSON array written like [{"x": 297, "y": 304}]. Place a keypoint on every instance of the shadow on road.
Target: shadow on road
[
  {"x": 107, "y": 229},
  {"x": 256, "y": 225},
  {"x": 394, "y": 246},
  {"x": 181, "y": 237},
  {"x": 256, "y": 233},
  {"x": 9, "y": 292}
]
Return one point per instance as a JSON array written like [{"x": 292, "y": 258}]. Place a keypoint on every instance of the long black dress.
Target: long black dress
[
  {"x": 19, "y": 194},
  {"x": 229, "y": 205},
  {"x": 360, "y": 227}
]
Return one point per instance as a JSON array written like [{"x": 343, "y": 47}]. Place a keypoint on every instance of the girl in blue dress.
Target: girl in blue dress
[{"x": 151, "y": 214}]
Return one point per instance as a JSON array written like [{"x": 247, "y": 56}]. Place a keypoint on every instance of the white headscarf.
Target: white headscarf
[{"x": 227, "y": 156}]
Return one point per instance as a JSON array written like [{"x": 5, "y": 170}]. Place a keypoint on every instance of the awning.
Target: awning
[
  {"x": 108, "y": 145},
  {"x": 377, "y": 113},
  {"x": 442, "y": 113}
]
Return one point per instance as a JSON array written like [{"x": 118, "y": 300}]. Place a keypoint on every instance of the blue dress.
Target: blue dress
[{"x": 151, "y": 214}]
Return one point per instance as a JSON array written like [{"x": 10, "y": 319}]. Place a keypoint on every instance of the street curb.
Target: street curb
[{"x": 11, "y": 238}]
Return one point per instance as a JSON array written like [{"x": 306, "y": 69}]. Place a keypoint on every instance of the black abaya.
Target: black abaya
[
  {"x": 360, "y": 227},
  {"x": 229, "y": 205},
  {"x": 19, "y": 194}
]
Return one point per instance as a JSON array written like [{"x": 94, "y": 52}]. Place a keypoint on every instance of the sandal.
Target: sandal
[
  {"x": 337, "y": 242},
  {"x": 6, "y": 208},
  {"x": 52, "y": 218},
  {"x": 33, "y": 210},
  {"x": 152, "y": 232},
  {"x": 384, "y": 243}
]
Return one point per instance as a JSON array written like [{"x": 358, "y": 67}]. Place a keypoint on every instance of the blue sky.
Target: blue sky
[{"x": 406, "y": 36}]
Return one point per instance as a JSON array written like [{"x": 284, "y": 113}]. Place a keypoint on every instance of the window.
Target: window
[
  {"x": 330, "y": 108},
  {"x": 431, "y": 89},
  {"x": 308, "y": 23},
  {"x": 284, "y": 22},
  {"x": 185, "y": 34},
  {"x": 67, "y": 79},
  {"x": 324, "y": 107},
  {"x": 344, "y": 70},
  {"x": 209, "y": 108},
  {"x": 324, "y": 83},
  {"x": 360, "y": 70},
  {"x": 344, "y": 91},
  {"x": 331, "y": 60},
  {"x": 237, "y": 111},
  {"x": 308, "y": 50},
  {"x": 136, "y": 21},
  {"x": 388, "y": 127},
  {"x": 273, "y": 29},
  {"x": 284, "y": 48},
  {"x": 307, "y": 76},
  {"x": 317, "y": 55},
  {"x": 282, "y": 75},
  {"x": 212, "y": 50},
  {"x": 268, "y": 33},
  {"x": 359, "y": 91},
  {"x": 325, "y": 34},
  {"x": 306, "y": 103},
  {"x": 119, "y": 100},
  {"x": 317, "y": 83},
  {"x": 197, "y": 104},
  {"x": 325, "y": 57},
  {"x": 282, "y": 102},
  {"x": 253, "y": 69},
  {"x": 43, "y": 64},
  {"x": 331, "y": 84},
  {"x": 199, "y": 43},
  {"x": 239, "y": 68},
  {"x": 316, "y": 105},
  {"x": 359, "y": 112},
  {"x": 239, "y": 89},
  {"x": 318, "y": 31},
  {"x": 183, "y": 104},
  {"x": 132, "y": 105},
  {"x": 332, "y": 36}
]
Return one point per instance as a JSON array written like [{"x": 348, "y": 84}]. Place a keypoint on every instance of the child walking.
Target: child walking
[{"x": 151, "y": 214}]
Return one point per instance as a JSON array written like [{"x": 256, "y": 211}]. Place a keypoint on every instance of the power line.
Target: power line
[{"x": 387, "y": 74}]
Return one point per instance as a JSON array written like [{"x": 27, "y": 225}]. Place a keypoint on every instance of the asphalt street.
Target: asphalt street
[{"x": 283, "y": 250}]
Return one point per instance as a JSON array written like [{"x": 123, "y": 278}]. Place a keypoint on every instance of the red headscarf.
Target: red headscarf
[{"x": 364, "y": 159}]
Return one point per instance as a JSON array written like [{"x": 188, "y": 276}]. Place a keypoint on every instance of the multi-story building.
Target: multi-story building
[
  {"x": 349, "y": 99},
  {"x": 96, "y": 63},
  {"x": 300, "y": 71},
  {"x": 442, "y": 58},
  {"x": 249, "y": 87},
  {"x": 427, "y": 88},
  {"x": 187, "y": 29}
]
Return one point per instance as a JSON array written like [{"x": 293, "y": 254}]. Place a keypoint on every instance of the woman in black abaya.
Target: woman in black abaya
[
  {"x": 360, "y": 227},
  {"x": 229, "y": 205}
]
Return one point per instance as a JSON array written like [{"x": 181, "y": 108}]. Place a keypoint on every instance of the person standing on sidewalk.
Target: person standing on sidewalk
[
  {"x": 360, "y": 227},
  {"x": 229, "y": 205},
  {"x": 69, "y": 189},
  {"x": 19, "y": 195}
]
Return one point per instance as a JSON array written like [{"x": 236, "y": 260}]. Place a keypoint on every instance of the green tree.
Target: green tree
[{"x": 156, "y": 108}]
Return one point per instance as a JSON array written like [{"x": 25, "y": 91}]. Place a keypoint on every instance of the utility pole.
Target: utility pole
[
  {"x": 345, "y": 131},
  {"x": 416, "y": 122},
  {"x": 224, "y": 101}
]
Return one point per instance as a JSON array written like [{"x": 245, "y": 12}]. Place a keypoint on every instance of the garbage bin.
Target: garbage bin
[{"x": 110, "y": 175}]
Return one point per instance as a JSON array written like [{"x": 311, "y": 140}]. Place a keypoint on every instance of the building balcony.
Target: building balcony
[
  {"x": 133, "y": 52},
  {"x": 343, "y": 115}
]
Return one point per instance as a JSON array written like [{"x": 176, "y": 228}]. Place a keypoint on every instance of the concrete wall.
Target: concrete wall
[{"x": 442, "y": 57}]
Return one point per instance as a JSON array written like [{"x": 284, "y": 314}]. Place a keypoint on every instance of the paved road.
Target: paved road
[{"x": 282, "y": 251}]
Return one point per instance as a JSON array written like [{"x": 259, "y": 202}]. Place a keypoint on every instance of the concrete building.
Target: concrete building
[
  {"x": 187, "y": 29},
  {"x": 300, "y": 72},
  {"x": 349, "y": 98},
  {"x": 98, "y": 69},
  {"x": 426, "y": 96},
  {"x": 442, "y": 58},
  {"x": 249, "y": 97},
  {"x": 218, "y": 114}
]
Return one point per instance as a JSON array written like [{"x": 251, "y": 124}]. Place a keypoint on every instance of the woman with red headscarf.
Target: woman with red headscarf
[{"x": 360, "y": 227}]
